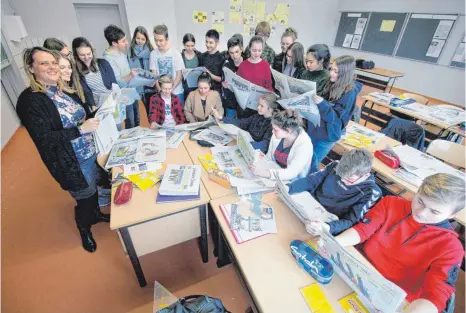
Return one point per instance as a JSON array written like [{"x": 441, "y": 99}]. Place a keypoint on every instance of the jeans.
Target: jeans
[
  {"x": 132, "y": 115},
  {"x": 321, "y": 149}
]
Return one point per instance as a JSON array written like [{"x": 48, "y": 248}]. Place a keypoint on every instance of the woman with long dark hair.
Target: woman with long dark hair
[
  {"x": 317, "y": 64},
  {"x": 293, "y": 63}
]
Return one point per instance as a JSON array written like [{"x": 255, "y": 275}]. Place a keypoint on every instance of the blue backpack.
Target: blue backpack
[{"x": 196, "y": 304}]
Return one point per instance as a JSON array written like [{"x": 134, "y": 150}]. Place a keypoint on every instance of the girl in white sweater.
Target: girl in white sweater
[{"x": 290, "y": 147}]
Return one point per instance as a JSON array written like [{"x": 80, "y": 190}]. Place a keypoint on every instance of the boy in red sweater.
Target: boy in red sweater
[{"x": 412, "y": 244}]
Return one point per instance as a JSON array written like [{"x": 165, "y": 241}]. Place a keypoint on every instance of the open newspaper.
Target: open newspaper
[
  {"x": 106, "y": 134},
  {"x": 376, "y": 292},
  {"x": 214, "y": 135},
  {"x": 174, "y": 138},
  {"x": 143, "y": 78},
  {"x": 304, "y": 105},
  {"x": 444, "y": 114},
  {"x": 290, "y": 87},
  {"x": 303, "y": 204},
  {"x": 191, "y": 75},
  {"x": 140, "y": 132},
  {"x": 247, "y": 94},
  {"x": 190, "y": 126},
  {"x": 115, "y": 102}
]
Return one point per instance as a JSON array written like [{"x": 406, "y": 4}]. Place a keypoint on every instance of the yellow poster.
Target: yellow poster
[
  {"x": 260, "y": 11},
  {"x": 351, "y": 304},
  {"x": 235, "y": 18},
  {"x": 271, "y": 19},
  {"x": 249, "y": 30},
  {"x": 200, "y": 17},
  {"x": 282, "y": 19},
  {"x": 249, "y": 19},
  {"x": 282, "y": 9},
  {"x": 387, "y": 26},
  {"x": 316, "y": 299},
  {"x": 250, "y": 7},
  {"x": 235, "y": 5},
  {"x": 219, "y": 27}
]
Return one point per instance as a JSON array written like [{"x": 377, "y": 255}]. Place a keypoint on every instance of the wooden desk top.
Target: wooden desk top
[
  {"x": 382, "y": 72},
  {"x": 195, "y": 151},
  {"x": 142, "y": 206},
  {"x": 270, "y": 271}
]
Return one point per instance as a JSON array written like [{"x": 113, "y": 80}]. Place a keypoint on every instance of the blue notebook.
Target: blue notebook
[{"x": 167, "y": 199}]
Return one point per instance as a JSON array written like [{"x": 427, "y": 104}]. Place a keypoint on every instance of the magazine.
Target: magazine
[
  {"x": 174, "y": 138},
  {"x": 106, "y": 134},
  {"x": 374, "y": 291},
  {"x": 181, "y": 180},
  {"x": 304, "y": 105},
  {"x": 151, "y": 149},
  {"x": 215, "y": 137},
  {"x": 290, "y": 87}
]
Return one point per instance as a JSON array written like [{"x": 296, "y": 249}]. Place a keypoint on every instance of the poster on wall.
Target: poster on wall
[
  {"x": 200, "y": 17},
  {"x": 236, "y": 5},
  {"x": 218, "y": 17}
]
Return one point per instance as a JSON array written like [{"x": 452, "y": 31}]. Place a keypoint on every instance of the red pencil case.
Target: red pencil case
[
  {"x": 388, "y": 158},
  {"x": 123, "y": 193}
]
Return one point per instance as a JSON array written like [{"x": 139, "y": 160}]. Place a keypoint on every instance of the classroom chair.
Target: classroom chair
[{"x": 447, "y": 151}]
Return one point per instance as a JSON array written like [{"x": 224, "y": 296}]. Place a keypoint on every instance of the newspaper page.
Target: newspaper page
[
  {"x": 440, "y": 114},
  {"x": 359, "y": 136},
  {"x": 231, "y": 130},
  {"x": 191, "y": 75},
  {"x": 181, "y": 180},
  {"x": 174, "y": 138},
  {"x": 140, "y": 132},
  {"x": 304, "y": 105},
  {"x": 376, "y": 292},
  {"x": 303, "y": 204},
  {"x": 143, "y": 78},
  {"x": 151, "y": 149},
  {"x": 122, "y": 153},
  {"x": 250, "y": 155},
  {"x": 106, "y": 134},
  {"x": 214, "y": 137},
  {"x": 290, "y": 87}
]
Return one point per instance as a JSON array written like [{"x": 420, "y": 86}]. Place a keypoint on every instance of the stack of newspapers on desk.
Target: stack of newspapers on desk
[{"x": 180, "y": 183}]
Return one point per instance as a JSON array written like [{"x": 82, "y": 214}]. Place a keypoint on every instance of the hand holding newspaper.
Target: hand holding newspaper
[
  {"x": 191, "y": 75},
  {"x": 143, "y": 78},
  {"x": 304, "y": 105},
  {"x": 290, "y": 87}
]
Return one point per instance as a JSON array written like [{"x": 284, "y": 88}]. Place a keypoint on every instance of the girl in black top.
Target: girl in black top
[{"x": 293, "y": 63}]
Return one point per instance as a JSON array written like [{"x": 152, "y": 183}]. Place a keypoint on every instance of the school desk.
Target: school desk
[
  {"x": 382, "y": 82},
  {"x": 269, "y": 273},
  {"x": 146, "y": 227}
]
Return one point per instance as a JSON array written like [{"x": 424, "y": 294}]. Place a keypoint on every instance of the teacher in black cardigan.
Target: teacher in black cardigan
[{"x": 62, "y": 130}]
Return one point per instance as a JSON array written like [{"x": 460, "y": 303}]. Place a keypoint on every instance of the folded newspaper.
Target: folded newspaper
[
  {"x": 374, "y": 291},
  {"x": 290, "y": 87},
  {"x": 191, "y": 75},
  {"x": 174, "y": 138},
  {"x": 140, "y": 132},
  {"x": 304, "y": 105},
  {"x": 106, "y": 135},
  {"x": 215, "y": 136},
  {"x": 143, "y": 78},
  {"x": 190, "y": 126},
  {"x": 110, "y": 103}
]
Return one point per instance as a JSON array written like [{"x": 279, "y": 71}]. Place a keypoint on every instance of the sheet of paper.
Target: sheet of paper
[
  {"x": 360, "y": 25},
  {"x": 271, "y": 19},
  {"x": 290, "y": 87},
  {"x": 443, "y": 29},
  {"x": 217, "y": 138},
  {"x": 151, "y": 149},
  {"x": 106, "y": 134},
  {"x": 356, "y": 41},
  {"x": 250, "y": 7},
  {"x": 435, "y": 48},
  {"x": 354, "y": 14},
  {"x": 219, "y": 27},
  {"x": 235, "y": 6},
  {"x": 249, "y": 19},
  {"x": 218, "y": 17},
  {"x": 387, "y": 26},
  {"x": 282, "y": 9},
  {"x": 260, "y": 11},
  {"x": 459, "y": 53},
  {"x": 348, "y": 40},
  {"x": 235, "y": 17},
  {"x": 200, "y": 17},
  {"x": 174, "y": 138},
  {"x": 137, "y": 168},
  {"x": 305, "y": 106}
]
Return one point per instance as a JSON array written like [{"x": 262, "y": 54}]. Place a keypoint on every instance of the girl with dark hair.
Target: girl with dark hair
[
  {"x": 288, "y": 37},
  {"x": 335, "y": 107},
  {"x": 293, "y": 63},
  {"x": 58, "y": 45},
  {"x": 191, "y": 57},
  {"x": 202, "y": 102},
  {"x": 317, "y": 63}
]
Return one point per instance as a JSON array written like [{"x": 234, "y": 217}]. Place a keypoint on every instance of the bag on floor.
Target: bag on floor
[{"x": 196, "y": 304}]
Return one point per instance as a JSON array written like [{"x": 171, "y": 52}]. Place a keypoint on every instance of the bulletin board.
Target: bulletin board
[
  {"x": 459, "y": 58},
  {"x": 383, "y": 31},
  {"x": 425, "y": 36},
  {"x": 351, "y": 29}
]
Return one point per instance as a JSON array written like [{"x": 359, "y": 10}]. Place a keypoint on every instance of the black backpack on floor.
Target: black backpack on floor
[
  {"x": 196, "y": 304},
  {"x": 363, "y": 64}
]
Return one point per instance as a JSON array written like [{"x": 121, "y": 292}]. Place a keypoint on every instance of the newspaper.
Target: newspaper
[
  {"x": 290, "y": 87},
  {"x": 215, "y": 137},
  {"x": 304, "y": 105},
  {"x": 416, "y": 166},
  {"x": 108, "y": 104},
  {"x": 140, "y": 132},
  {"x": 303, "y": 204},
  {"x": 138, "y": 168},
  {"x": 382, "y": 96},
  {"x": 143, "y": 78},
  {"x": 122, "y": 153},
  {"x": 376, "y": 292},
  {"x": 232, "y": 130},
  {"x": 179, "y": 180},
  {"x": 247, "y": 94},
  {"x": 174, "y": 138},
  {"x": 151, "y": 149},
  {"x": 359, "y": 136},
  {"x": 190, "y": 126},
  {"x": 106, "y": 134},
  {"x": 137, "y": 150},
  {"x": 191, "y": 75},
  {"x": 249, "y": 153},
  {"x": 440, "y": 114}
]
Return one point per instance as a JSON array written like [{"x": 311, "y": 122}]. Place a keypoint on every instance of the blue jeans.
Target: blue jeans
[
  {"x": 90, "y": 170},
  {"x": 132, "y": 115},
  {"x": 321, "y": 149},
  {"x": 181, "y": 96}
]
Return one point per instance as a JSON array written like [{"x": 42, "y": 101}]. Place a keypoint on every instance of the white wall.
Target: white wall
[
  {"x": 10, "y": 121},
  {"x": 436, "y": 81}
]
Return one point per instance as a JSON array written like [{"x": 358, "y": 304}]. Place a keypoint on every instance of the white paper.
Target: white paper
[
  {"x": 360, "y": 25},
  {"x": 217, "y": 138},
  {"x": 179, "y": 180},
  {"x": 445, "y": 17},
  {"x": 459, "y": 54},
  {"x": 290, "y": 87},
  {"x": 137, "y": 168},
  {"x": 106, "y": 134},
  {"x": 354, "y": 14},
  {"x": 218, "y": 17},
  {"x": 358, "y": 129},
  {"x": 436, "y": 113},
  {"x": 356, "y": 41},
  {"x": 435, "y": 48},
  {"x": 348, "y": 40},
  {"x": 191, "y": 75},
  {"x": 174, "y": 138},
  {"x": 140, "y": 132},
  {"x": 443, "y": 29},
  {"x": 151, "y": 149},
  {"x": 304, "y": 105},
  {"x": 424, "y": 16},
  {"x": 143, "y": 78},
  {"x": 250, "y": 155}
]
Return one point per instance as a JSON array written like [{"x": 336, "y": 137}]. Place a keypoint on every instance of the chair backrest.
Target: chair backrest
[
  {"x": 449, "y": 152},
  {"x": 419, "y": 99}
]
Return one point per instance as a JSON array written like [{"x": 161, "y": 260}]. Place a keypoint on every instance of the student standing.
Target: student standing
[
  {"x": 116, "y": 55},
  {"x": 202, "y": 102},
  {"x": 165, "y": 108},
  {"x": 191, "y": 58},
  {"x": 263, "y": 30},
  {"x": 255, "y": 69},
  {"x": 212, "y": 60},
  {"x": 293, "y": 64},
  {"x": 288, "y": 37},
  {"x": 235, "y": 58},
  {"x": 317, "y": 64},
  {"x": 335, "y": 107}
]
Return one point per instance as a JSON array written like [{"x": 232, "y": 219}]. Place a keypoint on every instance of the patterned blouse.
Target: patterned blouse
[{"x": 73, "y": 115}]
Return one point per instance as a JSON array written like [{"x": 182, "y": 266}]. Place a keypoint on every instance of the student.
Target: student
[
  {"x": 290, "y": 147},
  {"x": 58, "y": 45},
  {"x": 240, "y": 38},
  {"x": 235, "y": 58},
  {"x": 258, "y": 125},
  {"x": 212, "y": 60},
  {"x": 345, "y": 188},
  {"x": 165, "y": 108},
  {"x": 288, "y": 37},
  {"x": 412, "y": 243},
  {"x": 165, "y": 60},
  {"x": 116, "y": 55},
  {"x": 202, "y": 101},
  {"x": 191, "y": 57},
  {"x": 293, "y": 64},
  {"x": 263, "y": 30},
  {"x": 317, "y": 63},
  {"x": 335, "y": 107}
]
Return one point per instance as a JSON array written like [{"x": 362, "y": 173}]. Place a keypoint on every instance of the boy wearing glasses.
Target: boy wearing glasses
[{"x": 346, "y": 188}]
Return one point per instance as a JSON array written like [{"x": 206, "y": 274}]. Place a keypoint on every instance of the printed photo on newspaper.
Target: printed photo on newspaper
[
  {"x": 305, "y": 106},
  {"x": 174, "y": 138},
  {"x": 151, "y": 149},
  {"x": 215, "y": 137},
  {"x": 290, "y": 87}
]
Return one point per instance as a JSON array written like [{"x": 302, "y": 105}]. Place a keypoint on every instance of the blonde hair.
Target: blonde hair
[
  {"x": 165, "y": 79},
  {"x": 264, "y": 28},
  {"x": 288, "y": 119},
  {"x": 75, "y": 82},
  {"x": 444, "y": 188},
  {"x": 270, "y": 99},
  {"x": 290, "y": 32},
  {"x": 28, "y": 60}
]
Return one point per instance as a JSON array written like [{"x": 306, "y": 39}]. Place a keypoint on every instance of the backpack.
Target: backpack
[
  {"x": 196, "y": 304},
  {"x": 365, "y": 65}
]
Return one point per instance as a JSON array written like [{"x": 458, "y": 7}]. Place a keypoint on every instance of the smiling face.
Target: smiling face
[
  {"x": 211, "y": 44},
  {"x": 65, "y": 69},
  {"x": 45, "y": 68},
  {"x": 256, "y": 51},
  {"x": 85, "y": 55},
  {"x": 334, "y": 72},
  {"x": 428, "y": 211},
  {"x": 189, "y": 46},
  {"x": 121, "y": 45},
  {"x": 140, "y": 39},
  {"x": 166, "y": 89},
  {"x": 285, "y": 43},
  {"x": 203, "y": 88}
]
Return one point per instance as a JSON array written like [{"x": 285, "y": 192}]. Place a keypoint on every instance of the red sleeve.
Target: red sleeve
[
  {"x": 373, "y": 220},
  {"x": 152, "y": 108},
  {"x": 439, "y": 282},
  {"x": 267, "y": 77}
]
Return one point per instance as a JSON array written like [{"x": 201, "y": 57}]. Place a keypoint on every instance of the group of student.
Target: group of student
[{"x": 410, "y": 242}]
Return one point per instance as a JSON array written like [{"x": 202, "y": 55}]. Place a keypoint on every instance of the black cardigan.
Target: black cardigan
[{"x": 41, "y": 118}]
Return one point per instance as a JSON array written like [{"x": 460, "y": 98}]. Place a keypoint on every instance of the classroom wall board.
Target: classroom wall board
[
  {"x": 459, "y": 58},
  {"x": 351, "y": 29},
  {"x": 425, "y": 36},
  {"x": 382, "y": 32}
]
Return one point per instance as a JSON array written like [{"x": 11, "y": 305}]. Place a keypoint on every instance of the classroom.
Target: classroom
[{"x": 233, "y": 156}]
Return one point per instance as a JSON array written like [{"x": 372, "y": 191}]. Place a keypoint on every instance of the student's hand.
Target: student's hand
[
  {"x": 134, "y": 72},
  {"x": 124, "y": 100},
  {"x": 225, "y": 84},
  {"x": 317, "y": 99},
  {"x": 153, "y": 125},
  {"x": 216, "y": 114},
  {"x": 259, "y": 172},
  {"x": 90, "y": 125},
  {"x": 93, "y": 108},
  {"x": 315, "y": 227},
  {"x": 321, "y": 249}
]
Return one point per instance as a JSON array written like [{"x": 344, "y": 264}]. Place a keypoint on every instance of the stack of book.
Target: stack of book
[{"x": 180, "y": 183}]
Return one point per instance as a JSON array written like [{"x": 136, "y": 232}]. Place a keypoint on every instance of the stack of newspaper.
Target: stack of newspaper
[{"x": 181, "y": 180}]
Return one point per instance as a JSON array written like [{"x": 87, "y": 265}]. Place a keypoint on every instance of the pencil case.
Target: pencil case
[{"x": 311, "y": 261}]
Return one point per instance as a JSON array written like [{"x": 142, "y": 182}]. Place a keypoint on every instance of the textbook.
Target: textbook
[
  {"x": 168, "y": 199},
  {"x": 316, "y": 299},
  {"x": 181, "y": 180},
  {"x": 351, "y": 304}
]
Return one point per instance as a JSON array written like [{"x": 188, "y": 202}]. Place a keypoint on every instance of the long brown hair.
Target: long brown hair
[
  {"x": 36, "y": 86},
  {"x": 297, "y": 59},
  {"x": 81, "y": 42},
  {"x": 345, "y": 82},
  {"x": 75, "y": 81},
  {"x": 142, "y": 30}
]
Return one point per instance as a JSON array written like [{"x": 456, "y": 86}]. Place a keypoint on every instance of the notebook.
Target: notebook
[{"x": 168, "y": 199}]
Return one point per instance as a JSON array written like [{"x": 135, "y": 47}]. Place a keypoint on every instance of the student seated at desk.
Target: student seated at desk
[
  {"x": 202, "y": 101},
  {"x": 258, "y": 125},
  {"x": 165, "y": 108},
  {"x": 290, "y": 147},
  {"x": 345, "y": 188},
  {"x": 412, "y": 243}
]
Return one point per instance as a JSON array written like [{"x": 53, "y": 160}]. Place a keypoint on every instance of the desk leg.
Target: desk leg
[
  {"x": 203, "y": 242},
  {"x": 393, "y": 83},
  {"x": 133, "y": 256}
]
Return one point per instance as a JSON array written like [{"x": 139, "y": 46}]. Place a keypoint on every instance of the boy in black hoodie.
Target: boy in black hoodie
[{"x": 346, "y": 188}]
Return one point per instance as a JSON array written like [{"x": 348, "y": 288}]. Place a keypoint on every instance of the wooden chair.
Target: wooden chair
[{"x": 447, "y": 151}]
